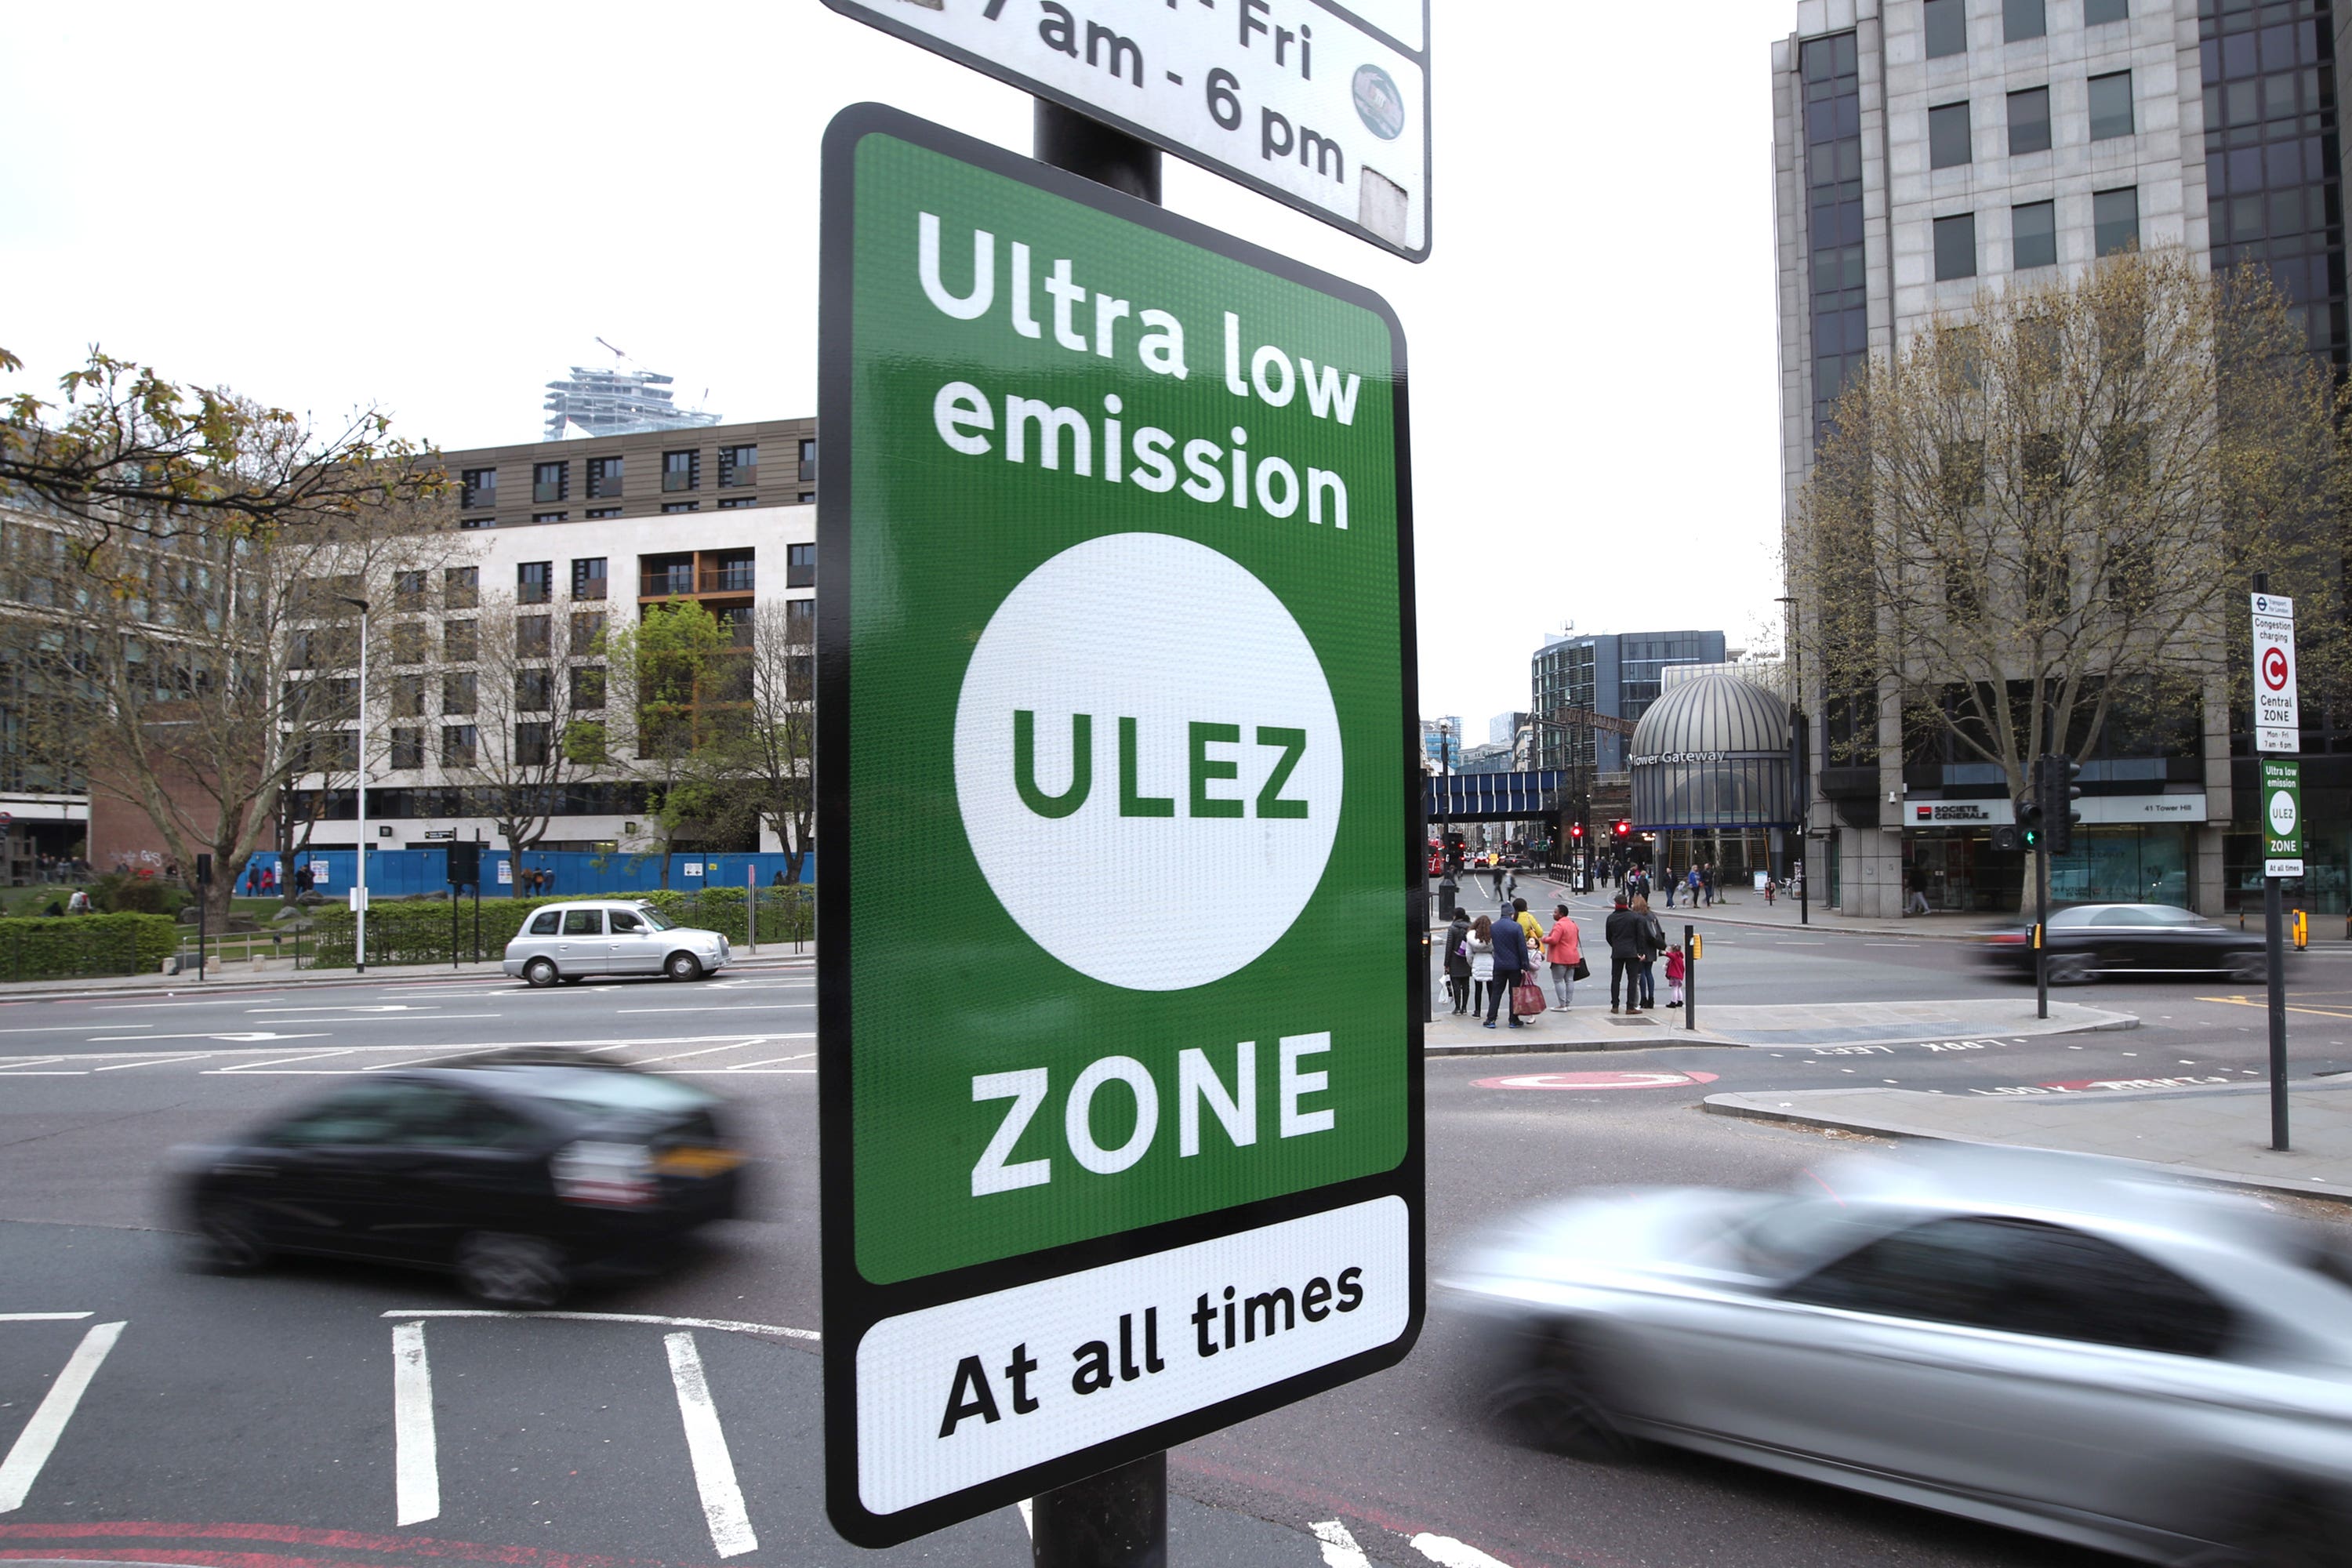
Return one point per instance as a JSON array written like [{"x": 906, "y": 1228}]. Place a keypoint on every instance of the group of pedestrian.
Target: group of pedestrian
[
  {"x": 1697, "y": 886},
  {"x": 260, "y": 881},
  {"x": 1488, "y": 957},
  {"x": 1636, "y": 942},
  {"x": 536, "y": 882}
]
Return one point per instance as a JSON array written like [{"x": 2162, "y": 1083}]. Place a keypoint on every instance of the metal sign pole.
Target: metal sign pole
[
  {"x": 2275, "y": 975},
  {"x": 1690, "y": 978},
  {"x": 2042, "y": 932},
  {"x": 1118, "y": 1518}
]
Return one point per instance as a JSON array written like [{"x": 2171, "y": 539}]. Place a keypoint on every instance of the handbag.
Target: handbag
[
  {"x": 1527, "y": 997},
  {"x": 1584, "y": 971}
]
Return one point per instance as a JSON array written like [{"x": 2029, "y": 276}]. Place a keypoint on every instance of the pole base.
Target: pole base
[{"x": 1115, "y": 1520}]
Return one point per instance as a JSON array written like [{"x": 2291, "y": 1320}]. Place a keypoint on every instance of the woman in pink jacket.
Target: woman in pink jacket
[{"x": 1564, "y": 951}]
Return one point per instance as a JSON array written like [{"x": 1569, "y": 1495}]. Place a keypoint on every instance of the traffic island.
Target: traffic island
[
  {"x": 1589, "y": 1026},
  {"x": 2219, "y": 1133}
]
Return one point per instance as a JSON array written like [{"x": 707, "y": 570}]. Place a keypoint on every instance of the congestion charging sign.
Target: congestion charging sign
[
  {"x": 2278, "y": 724},
  {"x": 1118, "y": 794}
]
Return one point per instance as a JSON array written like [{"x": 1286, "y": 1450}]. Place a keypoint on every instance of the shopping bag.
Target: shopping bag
[
  {"x": 1584, "y": 971},
  {"x": 1527, "y": 997}
]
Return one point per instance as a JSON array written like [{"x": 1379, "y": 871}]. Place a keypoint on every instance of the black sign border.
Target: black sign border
[
  {"x": 852, "y": 1304},
  {"x": 891, "y": 19}
]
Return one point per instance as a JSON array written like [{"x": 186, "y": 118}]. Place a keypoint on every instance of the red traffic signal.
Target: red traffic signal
[
  {"x": 1576, "y": 830},
  {"x": 1621, "y": 827}
]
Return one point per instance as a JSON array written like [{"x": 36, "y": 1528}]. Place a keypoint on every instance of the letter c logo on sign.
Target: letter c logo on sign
[{"x": 1147, "y": 762}]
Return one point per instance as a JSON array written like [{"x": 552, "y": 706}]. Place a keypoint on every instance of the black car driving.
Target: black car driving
[
  {"x": 2087, "y": 942},
  {"x": 519, "y": 1173}
]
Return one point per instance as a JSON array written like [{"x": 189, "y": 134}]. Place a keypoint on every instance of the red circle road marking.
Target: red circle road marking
[
  {"x": 2275, "y": 669},
  {"x": 1597, "y": 1080}
]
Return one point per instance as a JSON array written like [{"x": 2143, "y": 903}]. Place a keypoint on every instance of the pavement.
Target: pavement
[
  {"x": 2190, "y": 1126},
  {"x": 272, "y": 975},
  {"x": 1589, "y": 1026}
]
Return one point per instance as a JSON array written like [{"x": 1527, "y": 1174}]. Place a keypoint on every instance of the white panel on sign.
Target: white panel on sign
[
  {"x": 957, "y": 1395},
  {"x": 1296, "y": 97},
  {"x": 2282, "y": 867},
  {"x": 2278, "y": 719}
]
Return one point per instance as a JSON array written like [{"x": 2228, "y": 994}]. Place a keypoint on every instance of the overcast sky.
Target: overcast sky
[{"x": 436, "y": 209}]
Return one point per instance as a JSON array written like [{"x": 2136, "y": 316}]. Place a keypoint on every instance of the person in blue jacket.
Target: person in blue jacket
[{"x": 1511, "y": 960}]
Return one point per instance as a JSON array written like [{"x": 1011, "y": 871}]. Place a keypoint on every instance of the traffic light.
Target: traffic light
[
  {"x": 2055, "y": 793},
  {"x": 1622, "y": 829},
  {"x": 2028, "y": 821},
  {"x": 1575, "y": 832}
]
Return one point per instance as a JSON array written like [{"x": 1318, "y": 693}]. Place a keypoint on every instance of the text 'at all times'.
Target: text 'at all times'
[{"x": 969, "y": 422}]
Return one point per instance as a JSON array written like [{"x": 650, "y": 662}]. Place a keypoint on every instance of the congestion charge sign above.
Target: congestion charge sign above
[{"x": 1118, "y": 783}]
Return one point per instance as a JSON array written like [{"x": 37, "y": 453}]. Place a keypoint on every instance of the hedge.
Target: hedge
[
  {"x": 53, "y": 948},
  {"x": 416, "y": 931}
]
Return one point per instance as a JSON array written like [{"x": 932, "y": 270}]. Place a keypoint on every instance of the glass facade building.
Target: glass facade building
[{"x": 1616, "y": 673}]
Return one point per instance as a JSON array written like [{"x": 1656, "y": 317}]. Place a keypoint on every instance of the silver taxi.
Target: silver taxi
[{"x": 570, "y": 941}]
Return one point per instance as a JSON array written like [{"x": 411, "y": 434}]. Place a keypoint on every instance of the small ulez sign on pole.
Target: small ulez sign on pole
[{"x": 1117, "y": 766}]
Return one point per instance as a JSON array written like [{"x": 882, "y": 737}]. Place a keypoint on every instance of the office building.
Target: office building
[
  {"x": 1925, "y": 150},
  {"x": 1440, "y": 741},
  {"x": 596, "y": 401},
  {"x": 1618, "y": 674}
]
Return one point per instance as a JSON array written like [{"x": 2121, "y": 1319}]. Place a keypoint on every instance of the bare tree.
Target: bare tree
[
  {"x": 126, "y": 453},
  {"x": 777, "y": 743},
  {"x": 523, "y": 696},
  {"x": 2042, "y": 517}
]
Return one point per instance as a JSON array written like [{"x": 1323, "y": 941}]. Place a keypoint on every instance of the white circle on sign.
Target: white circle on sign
[
  {"x": 1165, "y": 857},
  {"x": 2283, "y": 813}
]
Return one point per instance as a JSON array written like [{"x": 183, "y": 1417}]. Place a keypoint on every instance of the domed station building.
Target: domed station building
[{"x": 1713, "y": 779}]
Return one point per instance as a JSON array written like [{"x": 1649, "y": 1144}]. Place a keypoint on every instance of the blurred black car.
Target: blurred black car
[
  {"x": 2088, "y": 940},
  {"x": 519, "y": 1176}
]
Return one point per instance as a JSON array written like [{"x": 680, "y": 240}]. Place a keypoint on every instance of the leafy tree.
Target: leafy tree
[{"x": 678, "y": 683}]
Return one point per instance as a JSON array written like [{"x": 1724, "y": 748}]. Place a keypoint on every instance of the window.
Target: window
[
  {"x": 551, "y": 481},
  {"x": 2033, "y": 235},
  {"x": 605, "y": 479},
  {"x": 624, "y": 921},
  {"x": 587, "y": 689},
  {"x": 408, "y": 697},
  {"x": 480, "y": 490},
  {"x": 808, "y": 462},
  {"x": 681, "y": 506},
  {"x": 2114, "y": 219},
  {"x": 2029, "y": 121},
  {"x": 730, "y": 574},
  {"x": 2111, "y": 106},
  {"x": 461, "y": 587},
  {"x": 597, "y": 511},
  {"x": 681, "y": 471},
  {"x": 1948, "y": 135},
  {"x": 460, "y": 641},
  {"x": 459, "y": 692},
  {"x": 2022, "y": 19},
  {"x": 534, "y": 581},
  {"x": 477, "y": 522},
  {"x": 407, "y": 747},
  {"x": 806, "y": 498},
  {"x": 531, "y": 744},
  {"x": 532, "y": 689},
  {"x": 585, "y": 743},
  {"x": 544, "y": 922},
  {"x": 587, "y": 634},
  {"x": 799, "y": 566},
  {"x": 1956, "y": 246},
  {"x": 2096, "y": 12},
  {"x": 588, "y": 577},
  {"x": 1947, "y": 28},
  {"x": 457, "y": 742},
  {"x": 584, "y": 922},
  {"x": 799, "y": 620},
  {"x": 738, "y": 467},
  {"x": 408, "y": 590},
  {"x": 408, "y": 642},
  {"x": 532, "y": 635},
  {"x": 550, "y": 516},
  {"x": 736, "y": 503}
]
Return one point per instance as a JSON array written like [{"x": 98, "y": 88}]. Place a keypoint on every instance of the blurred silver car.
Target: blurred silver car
[
  {"x": 2052, "y": 1343},
  {"x": 570, "y": 941}
]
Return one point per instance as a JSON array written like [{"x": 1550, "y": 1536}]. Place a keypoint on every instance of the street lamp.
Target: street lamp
[{"x": 359, "y": 853}]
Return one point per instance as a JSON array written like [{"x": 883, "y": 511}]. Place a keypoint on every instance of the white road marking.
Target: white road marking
[
  {"x": 279, "y": 1063},
  {"x": 61, "y": 1028},
  {"x": 158, "y": 1061},
  {"x": 1452, "y": 1554},
  {"x": 1339, "y": 1547},
  {"x": 30, "y": 1062},
  {"x": 34, "y": 1445},
  {"x": 153, "y": 1006},
  {"x": 706, "y": 1446},
  {"x": 771, "y": 1061},
  {"x": 1028, "y": 1525},
  {"x": 752, "y": 1007},
  {"x": 436, "y": 1018},
  {"x": 336, "y": 1008},
  {"x": 435, "y": 1056},
  {"x": 246, "y": 1037},
  {"x": 722, "y": 1324},
  {"x": 45, "y": 1317},
  {"x": 415, "y": 1455},
  {"x": 707, "y": 1050}
]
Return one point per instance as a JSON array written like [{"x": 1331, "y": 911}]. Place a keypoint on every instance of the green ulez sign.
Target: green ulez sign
[{"x": 1118, "y": 1009}]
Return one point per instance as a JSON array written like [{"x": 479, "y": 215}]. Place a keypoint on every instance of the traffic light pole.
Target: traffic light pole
[
  {"x": 2042, "y": 932},
  {"x": 1119, "y": 1517},
  {"x": 2275, "y": 975}
]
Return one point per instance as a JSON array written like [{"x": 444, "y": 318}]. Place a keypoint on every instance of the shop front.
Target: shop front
[{"x": 2127, "y": 850}]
